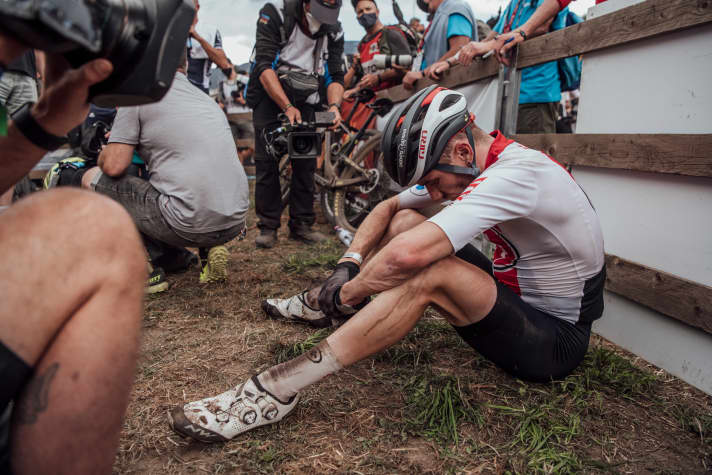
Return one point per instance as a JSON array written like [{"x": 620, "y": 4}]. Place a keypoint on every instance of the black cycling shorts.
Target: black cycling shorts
[
  {"x": 525, "y": 342},
  {"x": 14, "y": 374}
]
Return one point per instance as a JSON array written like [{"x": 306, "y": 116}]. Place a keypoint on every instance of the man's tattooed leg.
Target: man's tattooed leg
[{"x": 35, "y": 397}]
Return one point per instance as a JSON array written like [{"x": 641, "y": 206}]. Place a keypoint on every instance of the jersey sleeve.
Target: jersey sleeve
[
  {"x": 458, "y": 25},
  {"x": 267, "y": 39},
  {"x": 415, "y": 197},
  {"x": 126, "y": 128},
  {"x": 510, "y": 192}
]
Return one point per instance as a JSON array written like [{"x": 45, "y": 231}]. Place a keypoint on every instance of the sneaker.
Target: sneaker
[
  {"x": 306, "y": 234},
  {"x": 296, "y": 309},
  {"x": 267, "y": 238},
  {"x": 156, "y": 280},
  {"x": 216, "y": 268},
  {"x": 220, "y": 418},
  {"x": 51, "y": 179}
]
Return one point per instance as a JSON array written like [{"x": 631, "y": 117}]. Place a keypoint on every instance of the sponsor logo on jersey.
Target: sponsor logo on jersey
[
  {"x": 470, "y": 188},
  {"x": 423, "y": 144},
  {"x": 264, "y": 19},
  {"x": 504, "y": 262}
]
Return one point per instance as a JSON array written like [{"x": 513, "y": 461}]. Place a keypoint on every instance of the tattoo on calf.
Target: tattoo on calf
[{"x": 35, "y": 398}]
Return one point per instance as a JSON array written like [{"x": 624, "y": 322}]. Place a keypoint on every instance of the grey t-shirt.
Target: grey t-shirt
[{"x": 192, "y": 161}]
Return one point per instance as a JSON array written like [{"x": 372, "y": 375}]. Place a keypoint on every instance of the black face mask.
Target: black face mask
[{"x": 367, "y": 20}]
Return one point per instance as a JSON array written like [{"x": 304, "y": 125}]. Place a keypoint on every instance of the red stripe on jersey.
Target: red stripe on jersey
[
  {"x": 470, "y": 187},
  {"x": 563, "y": 4}
]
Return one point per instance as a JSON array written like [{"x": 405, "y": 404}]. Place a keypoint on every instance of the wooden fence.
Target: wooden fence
[{"x": 679, "y": 154}]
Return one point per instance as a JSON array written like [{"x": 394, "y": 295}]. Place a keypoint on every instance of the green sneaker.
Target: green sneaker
[
  {"x": 51, "y": 179},
  {"x": 215, "y": 269},
  {"x": 156, "y": 280}
]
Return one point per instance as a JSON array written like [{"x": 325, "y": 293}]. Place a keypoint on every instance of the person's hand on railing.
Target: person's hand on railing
[
  {"x": 506, "y": 42},
  {"x": 349, "y": 93},
  {"x": 410, "y": 78},
  {"x": 435, "y": 71},
  {"x": 472, "y": 49}
]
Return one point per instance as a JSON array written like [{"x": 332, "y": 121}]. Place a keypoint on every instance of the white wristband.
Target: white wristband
[{"x": 353, "y": 255}]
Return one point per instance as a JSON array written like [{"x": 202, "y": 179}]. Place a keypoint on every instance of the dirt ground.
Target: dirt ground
[{"x": 428, "y": 405}]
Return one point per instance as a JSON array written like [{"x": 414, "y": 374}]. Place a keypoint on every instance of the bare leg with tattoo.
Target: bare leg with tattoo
[{"x": 71, "y": 317}]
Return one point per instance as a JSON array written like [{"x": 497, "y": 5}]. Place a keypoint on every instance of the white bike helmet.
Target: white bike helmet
[{"x": 418, "y": 131}]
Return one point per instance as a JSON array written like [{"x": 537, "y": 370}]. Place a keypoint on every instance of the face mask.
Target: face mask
[
  {"x": 367, "y": 20},
  {"x": 313, "y": 23}
]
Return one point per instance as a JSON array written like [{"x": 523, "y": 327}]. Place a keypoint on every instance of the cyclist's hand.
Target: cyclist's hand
[
  {"x": 293, "y": 115},
  {"x": 337, "y": 117},
  {"x": 344, "y": 272},
  {"x": 369, "y": 81}
]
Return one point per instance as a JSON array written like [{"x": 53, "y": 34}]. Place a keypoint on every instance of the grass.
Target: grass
[
  {"x": 285, "y": 352},
  {"x": 323, "y": 255},
  {"x": 429, "y": 404},
  {"x": 435, "y": 406}
]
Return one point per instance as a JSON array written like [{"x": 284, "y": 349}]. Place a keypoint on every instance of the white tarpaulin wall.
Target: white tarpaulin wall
[
  {"x": 482, "y": 98},
  {"x": 662, "y": 221}
]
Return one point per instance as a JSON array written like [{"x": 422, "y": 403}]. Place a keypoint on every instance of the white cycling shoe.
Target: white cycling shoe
[
  {"x": 222, "y": 417},
  {"x": 296, "y": 309}
]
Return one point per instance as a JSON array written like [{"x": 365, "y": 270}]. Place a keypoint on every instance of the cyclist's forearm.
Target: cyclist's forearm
[
  {"x": 270, "y": 82},
  {"x": 373, "y": 228}
]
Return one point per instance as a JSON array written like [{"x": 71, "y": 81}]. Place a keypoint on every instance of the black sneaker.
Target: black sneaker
[
  {"x": 306, "y": 234},
  {"x": 267, "y": 238},
  {"x": 156, "y": 280}
]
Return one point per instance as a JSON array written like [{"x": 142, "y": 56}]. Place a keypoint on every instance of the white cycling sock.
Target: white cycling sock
[{"x": 287, "y": 379}]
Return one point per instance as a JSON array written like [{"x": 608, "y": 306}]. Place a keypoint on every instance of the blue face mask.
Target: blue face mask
[{"x": 367, "y": 20}]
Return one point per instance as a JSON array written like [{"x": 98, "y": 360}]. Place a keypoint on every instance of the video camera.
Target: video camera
[
  {"x": 143, "y": 39},
  {"x": 386, "y": 61},
  {"x": 299, "y": 140}
]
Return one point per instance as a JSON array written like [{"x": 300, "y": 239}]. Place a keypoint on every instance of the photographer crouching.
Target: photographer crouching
[{"x": 297, "y": 55}]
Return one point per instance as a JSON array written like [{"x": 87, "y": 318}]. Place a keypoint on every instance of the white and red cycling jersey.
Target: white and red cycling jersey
[{"x": 549, "y": 245}]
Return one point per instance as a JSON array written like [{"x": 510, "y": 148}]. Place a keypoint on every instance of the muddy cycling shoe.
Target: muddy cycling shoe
[
  {"x": 222, "y": 417},
  {"x": 267, "y": 238},
  {"x": 215, "y": 269},
  {"x": 296, "y": 309},
  {"x": 306, "y": 234}
]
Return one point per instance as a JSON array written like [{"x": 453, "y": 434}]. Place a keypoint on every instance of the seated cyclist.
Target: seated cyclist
[{"x": 529, "y": 310}]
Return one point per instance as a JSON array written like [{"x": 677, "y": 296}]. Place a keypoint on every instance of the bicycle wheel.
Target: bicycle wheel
[
  {"x": 285, "y": 179},
  {"x": 352, "y": 205},
  {"x": 331, "y": 169}
]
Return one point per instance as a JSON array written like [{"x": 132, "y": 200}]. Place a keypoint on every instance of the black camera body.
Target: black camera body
[
  {"x": 304, "y": 143},
  {"x": 143, "y": 39}
]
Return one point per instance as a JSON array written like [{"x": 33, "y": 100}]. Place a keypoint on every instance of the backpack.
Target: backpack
[{"x": 570, "y": 68}]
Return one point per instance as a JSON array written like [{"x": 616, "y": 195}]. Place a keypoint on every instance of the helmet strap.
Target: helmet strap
[{"x": 473, "y": 170}]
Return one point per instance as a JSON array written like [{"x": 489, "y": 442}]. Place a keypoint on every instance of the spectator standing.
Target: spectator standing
[
  {"x": 298, "y": 52},
  {"x": 453, "y": 26},
  {"x": 231, "y": 95},
  {"x": 379, "y": 39},
  {"x": 204, "y": 48},
  {"x": 540, "y": 91},
  {"x": 416, "y": 27}
]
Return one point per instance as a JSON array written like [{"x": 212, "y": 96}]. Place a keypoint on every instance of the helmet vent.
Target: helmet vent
[{"x": 448, "y": 101}]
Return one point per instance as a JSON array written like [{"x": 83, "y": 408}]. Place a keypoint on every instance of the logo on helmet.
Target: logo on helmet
[
  {"x": 423, "y": 143},
  {"x": 402, "y": 146}
]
